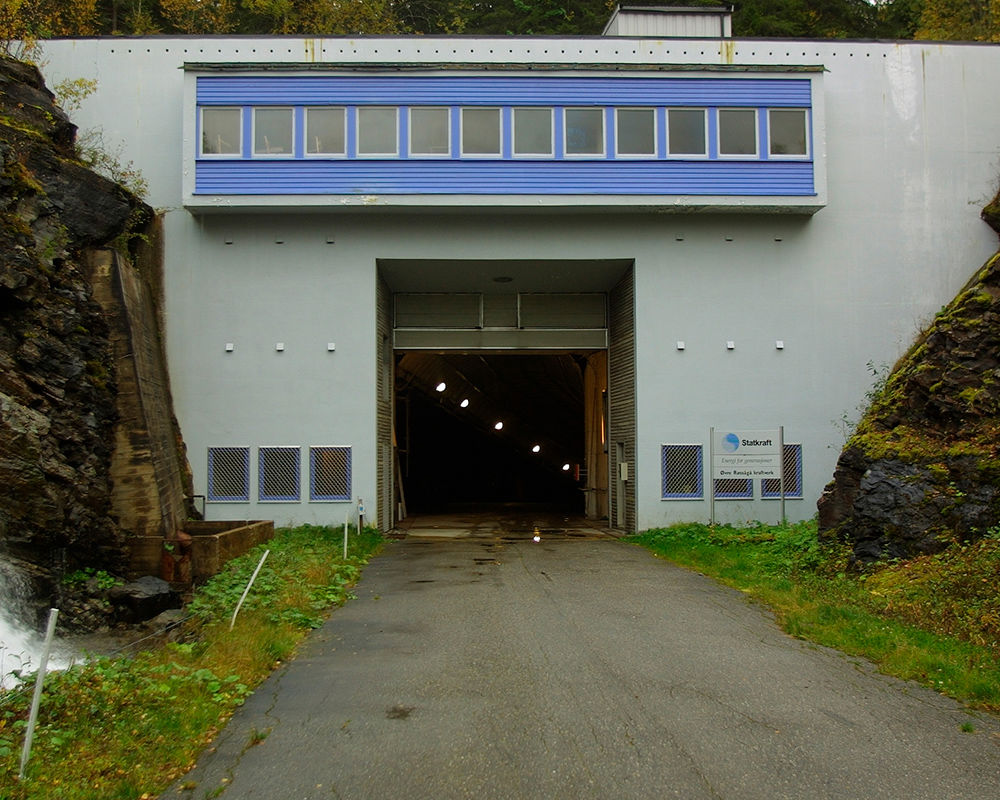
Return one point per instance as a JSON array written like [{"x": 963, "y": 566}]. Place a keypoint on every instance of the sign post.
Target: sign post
[{"x": 746, "y": 454}]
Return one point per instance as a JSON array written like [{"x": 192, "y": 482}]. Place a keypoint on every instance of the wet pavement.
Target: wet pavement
[{"x": 477, "y": 662}]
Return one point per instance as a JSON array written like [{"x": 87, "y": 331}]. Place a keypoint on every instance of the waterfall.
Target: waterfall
[{"x": 20, "y": 644}]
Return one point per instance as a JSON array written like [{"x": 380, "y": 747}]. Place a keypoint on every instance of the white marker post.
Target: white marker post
[{"x": 29, "y": 733}]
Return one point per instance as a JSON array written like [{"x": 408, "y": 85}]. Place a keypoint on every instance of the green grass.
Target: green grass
[
  {"x": 932, "y": 619},
  {"x": 166, "y": 704}
]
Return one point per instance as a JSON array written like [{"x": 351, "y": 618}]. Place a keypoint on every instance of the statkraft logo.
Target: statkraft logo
[{"x": 730, "y": 442}]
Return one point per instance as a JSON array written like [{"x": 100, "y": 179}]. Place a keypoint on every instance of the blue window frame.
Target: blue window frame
[
  {"x": 325, "y": 132},
  {"x": 221, "y": 130},
  {"x": 228, "y": 475},
  {"x": 792, "y": 465},
  {"x": 681, "y": 472},
  {"x": 329, "y": 473}
]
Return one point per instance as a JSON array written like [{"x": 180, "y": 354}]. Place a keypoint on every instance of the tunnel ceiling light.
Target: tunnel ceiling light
[
  {"x": 536, "y": 449},
  {"x": 465, "y": 403},
  {"x": 565, "y": 467},
  {"x": 441, "y": 386},
  {"x": 498, "y": 426}
]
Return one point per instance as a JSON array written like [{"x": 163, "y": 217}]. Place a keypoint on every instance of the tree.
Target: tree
[
  {"x": 963, "y": 20},
  {"x": 199, "y": 16}
]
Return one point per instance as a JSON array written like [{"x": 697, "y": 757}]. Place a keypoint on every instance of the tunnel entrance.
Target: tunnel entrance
[
  {"x": 487, "y": 428},
  {"x": 506, "y": 383}
]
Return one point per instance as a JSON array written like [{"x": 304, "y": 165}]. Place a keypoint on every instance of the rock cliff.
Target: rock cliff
[
  {"x": 58, "y": 377},
  {"x": 923, "y": 468}
]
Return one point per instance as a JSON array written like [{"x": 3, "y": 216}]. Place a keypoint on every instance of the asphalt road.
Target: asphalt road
[{"x": 497, "y": 667}]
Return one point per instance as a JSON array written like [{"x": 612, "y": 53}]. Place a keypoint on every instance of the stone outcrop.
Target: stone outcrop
[
  {"x": 64, "y": 355},
  {"x": 923, "y": 468}
]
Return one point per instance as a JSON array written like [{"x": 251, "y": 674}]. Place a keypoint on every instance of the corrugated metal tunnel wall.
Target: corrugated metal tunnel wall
[{"x": 621, "y": 402}]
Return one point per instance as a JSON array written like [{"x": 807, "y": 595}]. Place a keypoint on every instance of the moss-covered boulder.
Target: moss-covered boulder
[{"x": 923, "y": 467}]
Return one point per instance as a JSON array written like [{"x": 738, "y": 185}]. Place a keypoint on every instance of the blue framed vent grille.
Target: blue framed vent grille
[
  {"x": 278, "y": 474},
  {"x": 329, "y": 473},
  {"x": 228, "y": 475},
  {"x": 733, "y": 488},
  {"x": 681, "y": 471},
  {"x": 792, "y": 466}
]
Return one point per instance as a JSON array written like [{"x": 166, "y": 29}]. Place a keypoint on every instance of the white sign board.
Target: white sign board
[{"x": 746, "y": 454}]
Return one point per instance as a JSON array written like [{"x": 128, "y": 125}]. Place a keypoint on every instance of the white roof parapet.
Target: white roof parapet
[{"x": 671, "y": 22}]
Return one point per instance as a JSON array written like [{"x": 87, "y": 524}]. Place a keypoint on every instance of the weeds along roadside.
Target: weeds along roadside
[
  {"x": 126, "y": 726},
  {"x": 931, "y": 619}
]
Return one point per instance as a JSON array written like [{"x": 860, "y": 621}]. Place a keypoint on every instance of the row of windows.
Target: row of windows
[
  {"x": 682, "y": 476},
  {"x": 279, "y": 477},
  {"x": 502, "y": 132}
]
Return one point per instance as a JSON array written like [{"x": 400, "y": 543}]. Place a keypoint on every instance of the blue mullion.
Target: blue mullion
[
  {"x": 610, "y": 133},
  {"x": 299, "y": 129},
  {"x": 455, "y": 123},
  {"x": 559, "y": 126},
  {"x": 763, "y": 146},
  {"x": 351, "y": 112},
  {"x": 713, "y": 132},
  {"x": 403, "y": 117},
  {"x": 246, "y": 145},
  {"x": 506, "y": 133},
  {"x": 661, "y": 132}
]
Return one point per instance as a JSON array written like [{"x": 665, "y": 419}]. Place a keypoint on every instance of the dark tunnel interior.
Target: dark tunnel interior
[{"x": 451, "y": 454}]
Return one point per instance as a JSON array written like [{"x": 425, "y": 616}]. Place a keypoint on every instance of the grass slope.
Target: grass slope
[
  {"x": 932, "y": 619},
  {"x": 126, "y": 727}
]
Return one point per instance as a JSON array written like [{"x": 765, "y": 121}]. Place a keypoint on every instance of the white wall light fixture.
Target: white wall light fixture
[
  {"x": 230, "y": 347},
  {"x": 331, "y": 346},
  {"x": 279, "y": 346},
  {"x": 730, "y": 345},
  {"x": 680, "y": 344},
  {"x": 779, "y": 344}
]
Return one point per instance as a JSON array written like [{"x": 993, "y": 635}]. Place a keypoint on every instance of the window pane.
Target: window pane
[
  {"x": 429, "y": 132},
  {"x": 325, "y": 131},
  {"x": 220, "y": 131},
  {"x": 377, "y": 131},
  {"x": 738, "y": 132},
  {"x": 787, "y": 132},
  {"x": 532, "y": 131},
  {"x": 481, "y": 131},
  {"x": 636, "y": 132},
  {"x": 585, "y": 131},
  {"x": 686, "y": 131},
  {"x": 272, "y": 131}
]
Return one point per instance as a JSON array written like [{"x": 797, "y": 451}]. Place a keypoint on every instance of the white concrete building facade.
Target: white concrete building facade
[{"x": 698, "y": 232}]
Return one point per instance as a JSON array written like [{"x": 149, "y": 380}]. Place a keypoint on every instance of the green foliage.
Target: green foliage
[
  {"x": 71, "y": 93},
  {"x": 962, "y": 20},
  {"x": 934, "y": 619},
  {"x": 777, "y": 18},
  {"x": 79, "y": 577},
  {"x": 169, "y": 702},
  {"x": 107, "y": 160}
]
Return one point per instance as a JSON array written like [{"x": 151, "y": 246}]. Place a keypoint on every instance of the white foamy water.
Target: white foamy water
[{"x": 20, "y": 646}]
